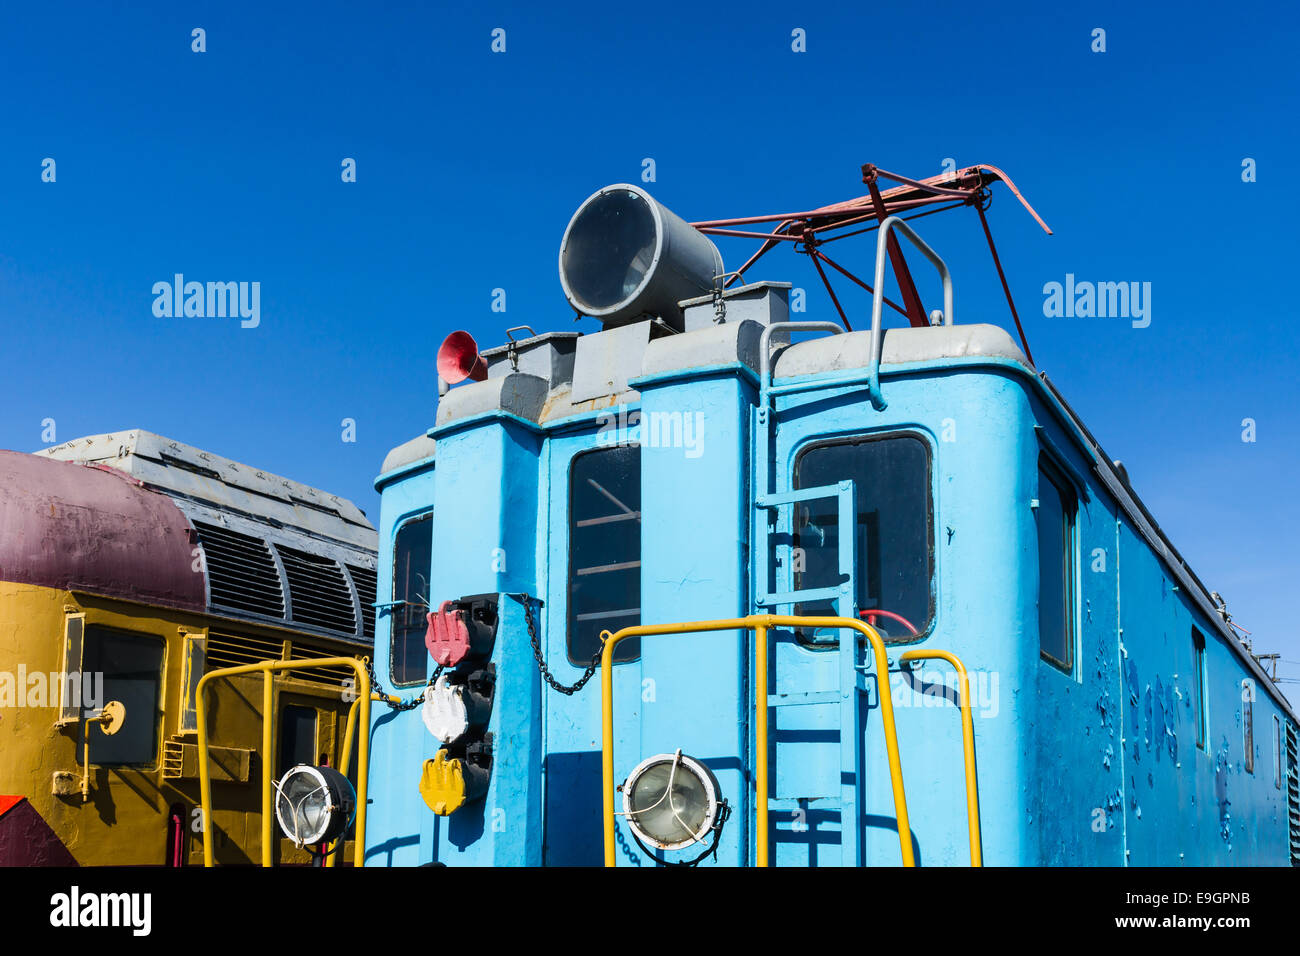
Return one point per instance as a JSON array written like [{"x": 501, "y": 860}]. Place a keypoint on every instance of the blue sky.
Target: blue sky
[{"x": 225, "y": 166}]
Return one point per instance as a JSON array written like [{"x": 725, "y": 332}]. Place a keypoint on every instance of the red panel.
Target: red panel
[
  {"x": 27, "y": 840},
  {"x": 447, "y": 637},
  {"x": 7, "y": 803},
  {"x": 93, "y": 529}
]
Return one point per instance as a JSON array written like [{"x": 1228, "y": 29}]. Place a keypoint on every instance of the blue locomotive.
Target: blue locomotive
[{"x": 714, "y": 586}]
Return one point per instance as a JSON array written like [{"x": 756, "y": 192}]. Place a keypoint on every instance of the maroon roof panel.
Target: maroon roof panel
[{"x": 94, "y": 529}]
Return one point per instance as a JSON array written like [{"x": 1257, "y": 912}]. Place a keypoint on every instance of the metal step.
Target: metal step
[
  {"x": 803, "y": 700},
  {"x": 803, "y": 803}
]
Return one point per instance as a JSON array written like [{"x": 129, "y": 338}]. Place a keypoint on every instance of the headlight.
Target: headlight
[
  {"x": 314, "y": 804},
  {"x": 671, "y": 801}
]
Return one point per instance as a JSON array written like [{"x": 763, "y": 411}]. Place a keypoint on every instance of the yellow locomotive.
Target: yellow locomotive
[{"x": 130, "y": 566}]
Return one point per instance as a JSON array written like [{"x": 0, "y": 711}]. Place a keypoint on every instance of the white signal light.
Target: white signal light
[{"x": 444, "y": 710}]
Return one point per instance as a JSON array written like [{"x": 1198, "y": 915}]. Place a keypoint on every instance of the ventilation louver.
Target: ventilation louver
[
  {"x": 364, "y": 579},
  {"x": 318, "y": 592},
  {"x": 241, "y": 572},
  {"x": 234, "y": 650}
]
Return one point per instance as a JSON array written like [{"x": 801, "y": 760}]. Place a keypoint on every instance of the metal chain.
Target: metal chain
[
  {"x": 527, "y": 602},
  {"x": 408, "y": 704}
]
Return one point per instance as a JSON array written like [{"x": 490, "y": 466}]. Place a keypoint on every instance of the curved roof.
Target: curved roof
[
  {"x": 93, "y": 529},
  {"x": 191, "y": 474},
  {"x": 408, "y": 453}
]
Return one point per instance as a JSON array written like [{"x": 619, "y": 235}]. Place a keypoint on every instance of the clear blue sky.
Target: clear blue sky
[{"x": 225, "y": 165}]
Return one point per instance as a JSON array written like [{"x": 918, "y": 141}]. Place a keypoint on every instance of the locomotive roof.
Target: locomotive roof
[
  {"x": 94, "y": 530},
  {"x": 124, "y": 514},
  {"x": 187, "y": 472}
]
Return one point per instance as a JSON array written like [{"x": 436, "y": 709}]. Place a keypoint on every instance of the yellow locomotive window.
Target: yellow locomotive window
[
  {"x": 131, "y": 665},
  {"x": 70, "y": 688},
  {"x": 195, "y": 658},
  {"x": 297, "y": 737}
]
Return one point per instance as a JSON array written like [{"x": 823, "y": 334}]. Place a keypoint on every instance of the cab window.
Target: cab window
[
  {"x": 1054, "y": 519},
  {"x": 895, "y": 557},
  {"x": 408, "y": 658},
  {"x": 604, "y": 550}
]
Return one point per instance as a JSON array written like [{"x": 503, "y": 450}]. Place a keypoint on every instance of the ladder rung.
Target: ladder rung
[
  {"x": 803, "y": 803},
  {"x": 799, "y": 494},
  {"x": 799, "y": 597},
  {"x": 803, "y": 700}
]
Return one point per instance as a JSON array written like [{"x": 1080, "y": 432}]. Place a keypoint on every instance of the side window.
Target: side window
[
  {"x": 604, "y": 550},
  {"x": 1198, "y": 679},
  {"x": 1248, "y": 722},
  {"x": 1277, "y": 752},
  {"x": 408, "y": 658},
  {"x": 74, "y": 629},
  {"x": 1054, "y": 518},
  {"x": 131, "y": 665},
  {"x": 297, "y": 738},
  {"x": 895, "y": 559}
]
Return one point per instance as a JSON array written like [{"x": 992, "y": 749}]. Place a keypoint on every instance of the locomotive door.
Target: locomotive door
[
  {"x": 594, "y": 584},
  {"x": 851, "y": 534}
]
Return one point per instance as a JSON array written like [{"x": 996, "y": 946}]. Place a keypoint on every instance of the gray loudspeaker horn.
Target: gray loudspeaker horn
[{"x": 625, "y": 256}]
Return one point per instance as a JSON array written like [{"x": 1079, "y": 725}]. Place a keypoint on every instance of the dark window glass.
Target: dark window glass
[
  {"x": 1055, "y": 519},
  {"x": 132, "y": 669},
  {"x": 604, "y": 550},
  {"x": 1248, "y": 722},
  {"x": 1277, "y": 753},
  {"x": 297, "y": 737},
  {"x": 1198, "y": 676},
  {"x": 408, "y": 658},
  {"x": 891, "y": 480}
]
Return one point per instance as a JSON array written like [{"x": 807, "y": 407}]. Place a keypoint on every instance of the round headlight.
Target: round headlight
[
  {"x": 314, "y": 804},
  {"x": 444, "y": 710},
  {"x": 671, "y": 801}
]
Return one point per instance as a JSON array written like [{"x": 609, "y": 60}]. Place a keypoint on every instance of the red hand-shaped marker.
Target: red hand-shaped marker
[{"x": 447, "y": 637}]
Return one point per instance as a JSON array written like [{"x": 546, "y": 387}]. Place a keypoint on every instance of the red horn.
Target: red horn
[{"x": 458, "y": 359}]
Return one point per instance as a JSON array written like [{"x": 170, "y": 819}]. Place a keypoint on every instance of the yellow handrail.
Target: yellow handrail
[
  {"x": 267, "y": 669},
  {"x": 760, "y": 741},
  {"x": 345, "y": 760},
  {"x": 968, "y": 745},
  {"x": 753, "y": 622}
]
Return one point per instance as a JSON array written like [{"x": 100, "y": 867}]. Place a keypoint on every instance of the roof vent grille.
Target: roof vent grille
[
  {"x": 365, "y": 581},
  {"x": 241, "y": 572},
  {"x": 318, "y": 591}
]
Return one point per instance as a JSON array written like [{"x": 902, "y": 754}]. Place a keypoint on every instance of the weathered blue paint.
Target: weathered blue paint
[
  {"x": 704, "y": 676},
  {"x": 398, "y": 824},
  {"x": 1098, "y": 766},
  {"x": 572, "y": 723}
]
